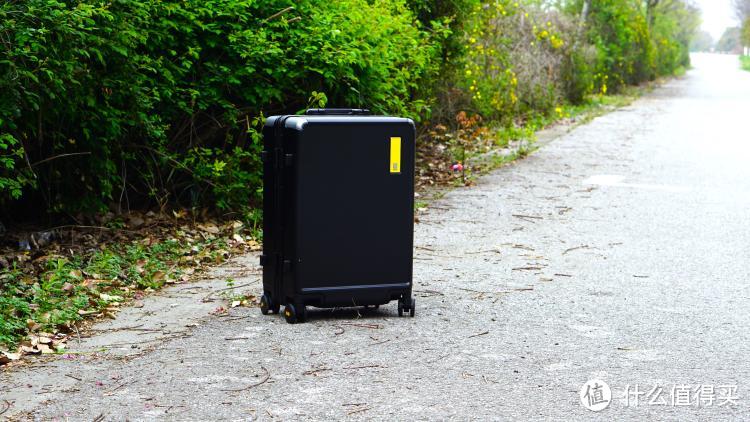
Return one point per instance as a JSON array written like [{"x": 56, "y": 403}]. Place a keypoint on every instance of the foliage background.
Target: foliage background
[{"x": 135, "y": 104}]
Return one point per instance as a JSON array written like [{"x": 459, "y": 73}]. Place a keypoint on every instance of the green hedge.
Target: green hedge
[{"x": 133, "y": 101}]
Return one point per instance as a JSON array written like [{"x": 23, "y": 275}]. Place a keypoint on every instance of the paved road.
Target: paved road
[{"x": 618, "y": 252}]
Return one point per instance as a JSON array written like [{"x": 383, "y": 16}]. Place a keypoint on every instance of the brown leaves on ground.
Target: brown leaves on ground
[
  {"x": 196, "y": 246},
  {"x": 440, "y": 147},
  {"x": 27, "y": 247},
  {"x": 43, "y": 343}
]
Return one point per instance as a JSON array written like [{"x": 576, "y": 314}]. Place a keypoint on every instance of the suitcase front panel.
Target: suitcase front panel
[{"x": 353, "y": 195}]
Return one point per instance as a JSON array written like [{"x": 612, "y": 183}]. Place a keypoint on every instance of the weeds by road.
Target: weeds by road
[
  {"x": 54, "y": 290},
  {"x": 452, "y": 157}
]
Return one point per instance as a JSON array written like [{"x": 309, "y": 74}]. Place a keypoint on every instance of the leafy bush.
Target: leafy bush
[
  {"x": 12, "y": 181},
  {"x": 637, "y": 41},
  {"x": 143, "y": 101},
  {"x": 523, "y": 60},
  {"x": 620, "y": 32},
  {"x": 745, "y": 62},
  {"x": 673, "y": 29},
  {"x": 135, "y": 102}
]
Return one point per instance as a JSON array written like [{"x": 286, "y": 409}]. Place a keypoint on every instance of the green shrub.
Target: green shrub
[
  {"x": 523, "y": 60},
  {"x": 138, "y": 102},
  {"x": 620, "y": 32},
  {"x": 578, "y": 72},
  {"x": 157, "y": 101},
  {"x": 673, "y": 28},
  {"x": 637, "y": 41}
]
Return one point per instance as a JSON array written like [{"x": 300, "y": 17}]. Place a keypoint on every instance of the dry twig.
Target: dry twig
[
  {"x": 266, "y": 377},
  {"x": 479, "y": 334},
  {"x": 363, "y": 367},
  {"x": 576, "y": 248},
  {"x": 7, "y": 406}
]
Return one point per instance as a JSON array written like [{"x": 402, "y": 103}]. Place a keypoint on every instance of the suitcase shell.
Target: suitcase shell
[{"x": 338, "y": 207}]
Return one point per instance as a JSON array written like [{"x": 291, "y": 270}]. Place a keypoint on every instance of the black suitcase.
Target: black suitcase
[{"x": 338, "y": 211}]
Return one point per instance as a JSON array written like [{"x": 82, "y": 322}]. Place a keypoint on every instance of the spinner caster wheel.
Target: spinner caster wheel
[
  {"x": 290, "y": 314},
  {"x": 265, "y": 305}
]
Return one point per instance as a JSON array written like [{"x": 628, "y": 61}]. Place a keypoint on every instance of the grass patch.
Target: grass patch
[
  {"x": 57, "y": 292},
  {"x": 481, "y": 147},
  {"x": 745, "y": 63}
]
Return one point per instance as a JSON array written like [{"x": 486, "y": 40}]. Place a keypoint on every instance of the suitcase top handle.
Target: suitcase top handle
[{"x": 337, "y": 111}]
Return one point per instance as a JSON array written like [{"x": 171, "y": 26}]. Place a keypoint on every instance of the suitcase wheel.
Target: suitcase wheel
[
  {"x": 267, "y": 305},
  {"x": 294, "y": 314},
  {"x": 411, "y": 308}
]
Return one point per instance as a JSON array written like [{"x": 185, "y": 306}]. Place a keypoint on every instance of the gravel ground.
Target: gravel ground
[{"x": 618, "y": 252}]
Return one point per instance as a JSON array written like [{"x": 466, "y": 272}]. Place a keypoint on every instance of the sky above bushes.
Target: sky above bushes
[{"x": 717, "y": 16}]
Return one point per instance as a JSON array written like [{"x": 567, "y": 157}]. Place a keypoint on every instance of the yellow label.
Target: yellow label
[{"x": 395, "y": 166}]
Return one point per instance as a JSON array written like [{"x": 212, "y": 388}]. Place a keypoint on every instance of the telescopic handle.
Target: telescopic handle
[{"x": 337, "y": 111}]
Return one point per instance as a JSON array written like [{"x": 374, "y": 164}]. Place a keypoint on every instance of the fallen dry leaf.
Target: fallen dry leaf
[
  {"x": 110, "y": 298},
  {"x": 135, "y": 222},
  {"x": 209, "y": 228},
  {"x": 32, "y": 325},
  {"x": 7, "y": 357}
]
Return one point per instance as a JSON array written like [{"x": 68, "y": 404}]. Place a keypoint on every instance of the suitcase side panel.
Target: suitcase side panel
[
  {"x": 271, "y": 258},
  {"x": 269, "y": 241}
]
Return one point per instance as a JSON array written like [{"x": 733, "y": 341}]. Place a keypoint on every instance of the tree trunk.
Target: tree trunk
[
  {"x": 585, "y": 13},
  {"x": 584, "y": 17}
]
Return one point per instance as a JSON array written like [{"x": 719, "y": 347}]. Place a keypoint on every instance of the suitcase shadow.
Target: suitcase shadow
[{"x": 349, "y": 314}]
